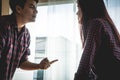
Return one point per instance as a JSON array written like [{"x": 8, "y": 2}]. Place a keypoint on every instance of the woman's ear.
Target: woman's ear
[{"x": 18, "y": 9}]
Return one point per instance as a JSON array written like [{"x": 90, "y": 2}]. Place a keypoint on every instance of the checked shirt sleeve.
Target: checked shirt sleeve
[{"x": 27, "y": 50}]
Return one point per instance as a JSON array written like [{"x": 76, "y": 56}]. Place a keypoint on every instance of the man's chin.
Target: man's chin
[{"x": 32, "y": 20}]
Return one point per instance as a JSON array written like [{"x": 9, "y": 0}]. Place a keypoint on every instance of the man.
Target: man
[{"x": 15, "y": 39}]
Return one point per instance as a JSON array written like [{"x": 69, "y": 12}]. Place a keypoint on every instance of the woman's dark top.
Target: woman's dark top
[{"x": 101, "y": 54}]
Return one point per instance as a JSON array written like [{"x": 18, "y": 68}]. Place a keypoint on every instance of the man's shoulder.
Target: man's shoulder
[
  {"x": 4, "y": 22},
  {"x": 4, "y": 18}
]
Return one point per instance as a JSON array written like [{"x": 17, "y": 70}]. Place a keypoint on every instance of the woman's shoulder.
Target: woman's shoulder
[
  {"x": 95, "y": 23},
  {"x": 99, "y": 22}
]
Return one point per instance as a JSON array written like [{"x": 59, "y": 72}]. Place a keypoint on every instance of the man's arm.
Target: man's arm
[{"x": 44, "y": 64}]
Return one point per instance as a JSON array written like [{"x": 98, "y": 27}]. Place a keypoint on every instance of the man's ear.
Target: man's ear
[{"x": 18, "y": 9}]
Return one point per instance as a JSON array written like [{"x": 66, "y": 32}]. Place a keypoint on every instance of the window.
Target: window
[
  {"x": 56, "y": 24},
  {"x": 55, "y": 35},
  {"x": 40, "y": 48},
  {"x": 113, "y": 7}
]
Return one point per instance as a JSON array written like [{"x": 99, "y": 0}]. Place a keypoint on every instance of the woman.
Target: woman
[{"x": 101, "y": 43}]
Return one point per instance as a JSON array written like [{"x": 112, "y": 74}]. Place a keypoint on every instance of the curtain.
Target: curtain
[
  {"x": 57, "y": 22},
  {"x": 113, "y": 7},
  {"x": 63, "y": 40}
]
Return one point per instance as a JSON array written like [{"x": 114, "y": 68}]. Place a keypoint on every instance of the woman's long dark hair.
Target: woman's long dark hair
[{"x": 94, "y": 9}]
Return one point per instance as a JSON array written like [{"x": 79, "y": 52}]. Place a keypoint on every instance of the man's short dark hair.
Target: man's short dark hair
[{"x": 20, "y": 3}]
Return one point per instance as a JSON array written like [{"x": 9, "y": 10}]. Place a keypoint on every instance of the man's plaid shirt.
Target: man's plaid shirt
[{"x": 13, "y": 46}]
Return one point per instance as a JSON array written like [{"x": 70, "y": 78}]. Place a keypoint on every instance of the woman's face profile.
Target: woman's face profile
[{"x": 79, "y": 14}]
